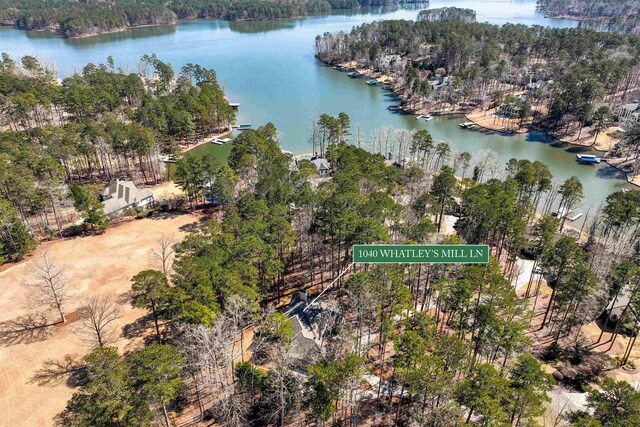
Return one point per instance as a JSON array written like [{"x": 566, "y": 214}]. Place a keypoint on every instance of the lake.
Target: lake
[{"x": 269, "y": 68}]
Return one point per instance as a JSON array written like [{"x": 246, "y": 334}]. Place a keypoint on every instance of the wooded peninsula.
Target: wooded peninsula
[
  {"x": 570, "y": 82},
  {"x": 78, "y": 19},
  {"x": 603, "y": 15},
  {"x": 227, "y": 293}
]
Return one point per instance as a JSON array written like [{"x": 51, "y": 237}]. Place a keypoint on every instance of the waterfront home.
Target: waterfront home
[
  {"x": 323, "y": 166},
  {"x": 121, "y": 195},
  {"x": 389, "y": 62},
  {"x": 628, "y": 114},
  {"x": 440, "y": 82},
  {"x": 313, "y": 323}
]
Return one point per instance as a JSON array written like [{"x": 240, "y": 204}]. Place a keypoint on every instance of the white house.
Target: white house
[
  {"x": 122, "y": 195},
  {"x": 323, "y": 166}
]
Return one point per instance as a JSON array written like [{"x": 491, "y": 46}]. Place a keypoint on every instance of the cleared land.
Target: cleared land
[{"x": 94, "y": 265}]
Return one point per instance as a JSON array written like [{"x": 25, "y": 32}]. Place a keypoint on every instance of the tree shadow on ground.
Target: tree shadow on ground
[
  {"x": 140, "y": 328},
  {"x": 190, "y": 228},
  {"x": 123, "y": 298},
  {"x": 26, "y": 330},
  {"x": 70, "y": 370}
]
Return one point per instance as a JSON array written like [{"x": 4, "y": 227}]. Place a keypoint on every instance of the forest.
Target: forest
[
  {"x": 431, "y": 345},
  {"x": 447, "y": 13},
  {"x": 76, "y": 19},
  {"x": 603, "y": 15},
  {"x": 415, "y": 345},
  {"x": 567, "y": 81},
  {"x": 85, "y": 131}
]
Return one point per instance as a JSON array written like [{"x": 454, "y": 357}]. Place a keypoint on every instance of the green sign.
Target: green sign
[{"x": 431, "y": 254}]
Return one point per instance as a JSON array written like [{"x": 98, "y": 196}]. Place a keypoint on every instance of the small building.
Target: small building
[
  {"x": 629, "y": 113},
  {"x": 121, "y": 195},
  {"x": 323, "y": 166}
]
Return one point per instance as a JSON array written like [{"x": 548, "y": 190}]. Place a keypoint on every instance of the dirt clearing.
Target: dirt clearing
[{"x": 94, "y": 265}]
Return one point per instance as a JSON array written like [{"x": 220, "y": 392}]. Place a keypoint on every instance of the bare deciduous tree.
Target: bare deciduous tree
[
  {"x": 98, "y": 316},
  {"x": 164, "y": 253},
  {"x": 49, "y": 283}
]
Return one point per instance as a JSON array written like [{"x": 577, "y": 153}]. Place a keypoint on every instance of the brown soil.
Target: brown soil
[
  {"x": 588, "y": 333},
  {"x": 94, "y": 265}
]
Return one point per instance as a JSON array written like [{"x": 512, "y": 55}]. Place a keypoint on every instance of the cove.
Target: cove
[{"x": 269, "y": 68}]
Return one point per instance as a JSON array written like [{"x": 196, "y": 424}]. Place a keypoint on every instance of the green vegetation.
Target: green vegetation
[
  {"x": 447, "y": 14},
  {"x": 617, "y": 404},
  {"x": 77, "y": 19},
  {"x": 120, "y": 390},
  {"x": 63, "y": 141},
  {"x": 603, "y": 15},
  {"x": 446, "y": 344},
  {"x": 566, "y": 81}
]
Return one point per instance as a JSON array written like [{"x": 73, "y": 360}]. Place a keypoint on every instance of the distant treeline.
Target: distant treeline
[
  {"x": 574, "y": 77},
  {"x": 447, "y": 14},
  {"x": 602, "y": 15},
  {"x": 76, "y": 19}
]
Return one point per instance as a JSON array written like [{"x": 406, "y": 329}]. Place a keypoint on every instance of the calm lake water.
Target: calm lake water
[{"x": 269, "y": 68}]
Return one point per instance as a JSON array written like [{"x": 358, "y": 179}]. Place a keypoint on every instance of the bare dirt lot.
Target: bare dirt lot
[{"x": 93, "y": 265}]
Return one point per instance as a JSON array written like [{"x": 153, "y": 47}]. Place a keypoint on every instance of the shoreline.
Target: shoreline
[
  {"x": 206, "y": 140},
  {"x": 55, "y": 31},
  {"x": 629, "y": 178}
]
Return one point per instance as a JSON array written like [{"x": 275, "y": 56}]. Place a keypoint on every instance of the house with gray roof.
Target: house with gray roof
[
  {"x": 629, "y": 113},
  {"x": 323, "y": 166},
  {"x": 122, "y": 195}
]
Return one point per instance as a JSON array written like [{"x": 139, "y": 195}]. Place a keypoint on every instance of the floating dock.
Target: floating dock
[
  {"x": 467, "y": 125},
  {"x": 170, "y": 159},
  {"x": 571, "y": 216},
  {"x": 394, "y": 108},
  {"x": 234, "y": 105},
  {"x": 372, "y": 82},
  {"x": 588, "y": 159}
]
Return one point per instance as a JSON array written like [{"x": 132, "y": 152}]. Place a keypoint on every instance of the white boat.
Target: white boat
[{"x": 466, "y": 125}]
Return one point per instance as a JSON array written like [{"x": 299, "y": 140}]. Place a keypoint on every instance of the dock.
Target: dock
[
  {"x": 467, "y": 125},
  {"x": 372, "y": 82},
  {"x": 571, "y": 216},
  {"x": 394, "y": 108},
  {"x": 170, "y": 159},
  {"x": 354, "y": 75},
  {"x": 587, "y": 159},
  {"x": 234, "y": 105},
  {"x": 245, "y": 126},
  {"x": 220, "y": 141}
]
